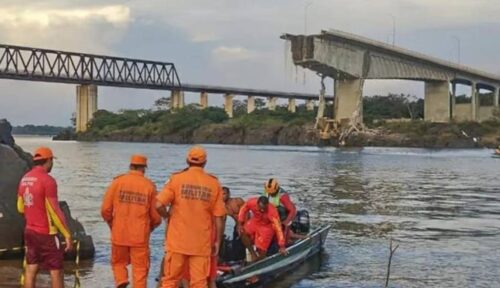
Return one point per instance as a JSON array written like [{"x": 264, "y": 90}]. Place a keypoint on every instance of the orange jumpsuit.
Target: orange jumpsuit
[
  {"x": 129, "y": 209},
  {"x": 262, "y": 226},
  {"x": 195, "y": 198}
]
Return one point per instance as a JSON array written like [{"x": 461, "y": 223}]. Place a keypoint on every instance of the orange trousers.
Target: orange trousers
[
  {"x": 122, "y": 256},
  {"x": 176, "y": 264}
]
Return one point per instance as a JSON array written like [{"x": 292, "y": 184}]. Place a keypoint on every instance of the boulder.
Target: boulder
[{"x": 14, "y": 163}]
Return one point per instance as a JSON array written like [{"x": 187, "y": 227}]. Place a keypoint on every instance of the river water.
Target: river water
[{"x": 441, "y": 206}]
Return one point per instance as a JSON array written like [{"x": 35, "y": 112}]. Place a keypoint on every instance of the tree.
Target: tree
[
  {"x": 73, "y": 119},
  {"x": 259, "y": 103},
  {"x": 163, "y": 103},
  {"x": 239, "y": 107}
]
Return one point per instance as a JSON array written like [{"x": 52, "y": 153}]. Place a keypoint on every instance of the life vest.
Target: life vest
[{"x": 276, "y": 202}]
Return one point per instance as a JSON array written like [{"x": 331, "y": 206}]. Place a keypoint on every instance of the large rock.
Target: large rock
[
  {"x": 14, "y": 163},
  {"x": 12, "y": 168}
]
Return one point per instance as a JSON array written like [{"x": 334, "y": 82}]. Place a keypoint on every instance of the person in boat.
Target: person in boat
[
  {"x": 497, "y": 151},
  {"x": 280, "y": 199},
  {"x": 233, "y": 250},
  {"x": 129, "y": 209},
  {"x": 196, "y": 203},
  {"x": 260, "y": 229},
  {"x": 37, "y": 200},
  {"x": 232, "y": 204}
]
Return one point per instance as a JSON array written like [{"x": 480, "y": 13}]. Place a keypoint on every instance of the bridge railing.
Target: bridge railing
[{"x": 24, "y": 63}]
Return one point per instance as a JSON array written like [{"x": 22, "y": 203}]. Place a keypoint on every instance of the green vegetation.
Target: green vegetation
[
  {"x": 149, "y": 122},
  {"x": 193, "y": 124},
  {"x": 37, "y": 130},
  {"x": 393, "y": 106},
  {"x": 186, "y": 120}
]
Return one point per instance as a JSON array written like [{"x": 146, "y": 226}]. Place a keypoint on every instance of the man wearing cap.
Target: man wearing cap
[
  {"x": 37, "y": 200},
  {"x": 195, "y": 199},
  {"x": 129, "y": 209}
]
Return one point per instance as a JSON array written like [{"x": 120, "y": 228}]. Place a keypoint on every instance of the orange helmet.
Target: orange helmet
[{"x": 271, "y": 186}]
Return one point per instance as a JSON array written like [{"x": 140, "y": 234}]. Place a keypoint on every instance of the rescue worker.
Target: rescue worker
[
  {"x": 37, "y": 200},
  {"x": 129, "y": 209},
  {"x": 212, "y": 267},
  {"x": 195, "y": 199},
  {"x": 261, "y": 228},
  {"x": 280, "y": 199},
  {"x": 233, "y": 205}
]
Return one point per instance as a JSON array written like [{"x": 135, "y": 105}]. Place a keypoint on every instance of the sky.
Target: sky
[{"x": 230, "y": 42}]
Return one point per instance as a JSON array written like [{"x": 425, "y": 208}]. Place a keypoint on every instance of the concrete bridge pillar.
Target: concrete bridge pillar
[
  {"x": 271, "y": 103},
  {"x": 203, "y": 100},
  {"x": 250, "y": 104},
  {"x": 291, "y": 105},
  {"x": 349, "y": 101},
  {"x": 437, "y": 101},
  {"x": 228, "y": 104},
  {"x": 310, "y": 105},
  {"x": 497, "y": 97},
  {"x": 474, "y": 101},
  {"x": 86, "y": 105},
  {"x": 453, "y": 103},
  {"x": 176, "y": 99}
]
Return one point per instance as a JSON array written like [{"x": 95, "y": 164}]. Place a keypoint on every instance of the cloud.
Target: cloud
[
  {"x": 235, "y": 53},
  {"x": 16, "y": 17},
  {"x": 88, "y": 29}
]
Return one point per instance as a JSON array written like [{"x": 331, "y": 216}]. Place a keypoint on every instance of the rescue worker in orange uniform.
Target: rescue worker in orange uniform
[
  {"x": 129, "y": 209},
  {"x": 261, "y": 228},
  {"x": 212, "y": 267},
  {"x": 195, "y": 199},
  {"x": 37, "y": 200},
  {"x": 280, "y": 199}
]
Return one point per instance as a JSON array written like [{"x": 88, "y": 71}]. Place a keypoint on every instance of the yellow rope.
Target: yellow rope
[
  {"x": 21, "y": 281},
  {"x": 77, "y": 262}
]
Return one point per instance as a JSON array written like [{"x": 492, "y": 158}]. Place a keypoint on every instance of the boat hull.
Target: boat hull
[{"x": 270, "y": 268}]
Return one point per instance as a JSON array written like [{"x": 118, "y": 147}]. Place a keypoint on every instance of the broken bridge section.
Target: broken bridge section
[{"x": 351, "y": 59}]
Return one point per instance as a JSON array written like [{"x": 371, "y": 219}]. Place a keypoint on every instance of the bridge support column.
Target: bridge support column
[
  {"x": 291, "y": 105},
  {"x": 271, "y": 103},
  {"x": 497, "y": 97},
  {"x": 177, "y": 99},
  {"x": 203, "y": 100},
  {"x": 228, "y": 104},
  {"x": 349, "y": 101},
  {"x": 453, "y": 100},
  {"x": 310, "y": 105},
  {"x": 437, "y": 101},
  {"x": 474, "y": 94},
  {"x": 250, "y": 104},
  {"x": 86, "y": 105}
]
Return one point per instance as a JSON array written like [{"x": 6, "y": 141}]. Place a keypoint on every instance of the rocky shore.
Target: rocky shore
[{"x": 424, "y": 135}]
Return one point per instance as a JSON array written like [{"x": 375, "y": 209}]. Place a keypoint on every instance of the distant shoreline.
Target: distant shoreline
[
  {"x": 401, "y": 135},
  {"x": 40, "y": 130}
]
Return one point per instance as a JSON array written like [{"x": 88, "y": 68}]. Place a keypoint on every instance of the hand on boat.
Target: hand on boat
[{"x": 283, "y": 251}]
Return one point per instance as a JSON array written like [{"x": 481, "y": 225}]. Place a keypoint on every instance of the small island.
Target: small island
[{"x": 391, "y": 121}]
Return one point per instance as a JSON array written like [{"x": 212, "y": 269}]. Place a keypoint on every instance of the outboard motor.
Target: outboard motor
[{"x": 301, "y": 224}]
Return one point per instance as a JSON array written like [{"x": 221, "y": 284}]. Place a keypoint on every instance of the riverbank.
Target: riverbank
[{"x": 262, "y": 127}]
